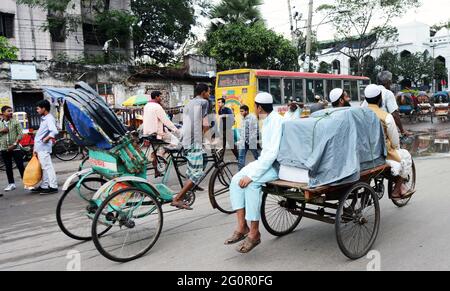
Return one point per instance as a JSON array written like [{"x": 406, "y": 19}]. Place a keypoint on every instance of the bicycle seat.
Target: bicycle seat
[
  {"x": 153, "y": 138},
  {"x": 173, "y": 149}
]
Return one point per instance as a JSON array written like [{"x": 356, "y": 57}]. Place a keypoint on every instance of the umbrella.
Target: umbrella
[{"x": 137, "y": 100}]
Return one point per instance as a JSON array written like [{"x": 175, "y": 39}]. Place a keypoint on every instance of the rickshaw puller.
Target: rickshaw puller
[{"x": 399, "y": 160}]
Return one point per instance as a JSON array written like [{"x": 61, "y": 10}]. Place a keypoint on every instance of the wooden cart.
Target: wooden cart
[{"x": 354, "y": 209}]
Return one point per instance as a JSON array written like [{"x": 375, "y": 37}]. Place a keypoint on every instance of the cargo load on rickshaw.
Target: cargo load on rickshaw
[
  {"x": 333, "y": 169},
  {"x": 331, "y": 148}
]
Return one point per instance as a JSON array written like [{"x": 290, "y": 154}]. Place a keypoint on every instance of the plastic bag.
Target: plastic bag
[{"x": 33, "y": 173}]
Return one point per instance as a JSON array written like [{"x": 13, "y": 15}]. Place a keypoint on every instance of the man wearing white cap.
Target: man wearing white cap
[
  {"x": 398, "y": 159},
  {"x": 294, "y": 112},
  {"x": 389, "y": 103},
  {"x": 245, "y": 188},
  {"x": 339, "y": 98}
]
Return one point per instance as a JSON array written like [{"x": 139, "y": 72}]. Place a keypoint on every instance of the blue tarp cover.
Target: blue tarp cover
[{"x": 334, "y": 145}]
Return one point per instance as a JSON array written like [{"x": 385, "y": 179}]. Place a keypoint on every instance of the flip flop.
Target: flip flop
[
  {"x": 181, "y": 205},
  {"x": 237, "y": 237},
  {"x": 248, "y": 245}
]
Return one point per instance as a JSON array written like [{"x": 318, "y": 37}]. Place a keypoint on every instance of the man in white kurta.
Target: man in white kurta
[{"x": 245, "y": 188}]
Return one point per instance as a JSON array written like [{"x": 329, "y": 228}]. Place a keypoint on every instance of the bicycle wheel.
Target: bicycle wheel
[
  {"x": 357, "y": 221},
  {"x": 410, "y": 183},
  {"x": 66, "y": 150},
  {"x": 135, "y": 217},
  {"x": 279, "y": 215},
  {"x": 219, "y": 187},
  {"x": 74, "y": 212}
]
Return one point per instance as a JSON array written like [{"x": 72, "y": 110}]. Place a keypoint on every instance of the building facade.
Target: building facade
[
  {"x": 23, "y": 26},
  {"x": 412, "y": 38}
]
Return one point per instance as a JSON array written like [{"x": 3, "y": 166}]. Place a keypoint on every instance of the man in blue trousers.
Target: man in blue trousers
[{"x": 245, "y": 188}]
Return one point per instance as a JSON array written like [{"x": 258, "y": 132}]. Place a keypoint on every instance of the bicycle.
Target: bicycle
[
  {"x": 220, "y": 179},
  {"x": 66, "y": 150}
]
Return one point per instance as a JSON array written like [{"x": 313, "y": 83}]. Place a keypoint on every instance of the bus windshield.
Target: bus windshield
[{"x": 234, "y": 80}]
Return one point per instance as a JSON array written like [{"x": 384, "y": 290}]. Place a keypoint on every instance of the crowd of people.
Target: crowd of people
[{"x": 260, "y": 133}]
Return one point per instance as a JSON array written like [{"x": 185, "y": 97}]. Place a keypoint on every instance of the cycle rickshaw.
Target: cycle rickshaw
[
  {"x": 354, "y": 208},
  {"x": 113, "y": 203}
]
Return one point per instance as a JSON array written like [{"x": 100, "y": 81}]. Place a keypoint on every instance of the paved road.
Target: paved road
[{"x": 412, "y": 238}]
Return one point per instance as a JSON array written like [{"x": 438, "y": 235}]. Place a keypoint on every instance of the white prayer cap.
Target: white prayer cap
[
  {"x": 264, "y": 98},
  {"x": 372, "y": 91},
  {"x": 335, "y": 94}
]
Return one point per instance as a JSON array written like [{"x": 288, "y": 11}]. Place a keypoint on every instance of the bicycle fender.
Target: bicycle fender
[
  {"x": 108, "y": 186},
  {"x": 75, "y": 176}
]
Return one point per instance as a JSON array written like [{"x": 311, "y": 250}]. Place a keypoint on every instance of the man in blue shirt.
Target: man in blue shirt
[
  {"x": 43, "y": 144},
  {"x": 245, "y": 187}
]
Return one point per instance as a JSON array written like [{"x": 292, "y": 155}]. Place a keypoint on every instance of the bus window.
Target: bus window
[
  {"x": 337, "y": 84},
  {"x": 288, "y": 89},
  {"x": 347, "y": 88},
  {"x": 354, "y": 91},
  {"x": 309, "y": 91},
  {"x": 299, "y": 90},
  {"x": 275, "y": 90},
  {"x": 263, "y": 85},
  {"x": 234, "y": 80},
  {"x": 318, "y": 88},
  {"x": 328, "y": 89}
]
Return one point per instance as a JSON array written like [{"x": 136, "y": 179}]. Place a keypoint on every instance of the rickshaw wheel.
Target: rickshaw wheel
[
  {"x": 136, "y": 221},
  {"x": 357, "y": 221},
  {"x": 74, "y": 213},
  {"x": 412, "y": 180},
  {"x": 277, "y": 214}
]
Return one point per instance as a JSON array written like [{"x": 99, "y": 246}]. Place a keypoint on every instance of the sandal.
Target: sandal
[
  {"x": 181, "y": 205},
  {"x": 237, "y": 237},
  {"x": 248, "y": 245}
]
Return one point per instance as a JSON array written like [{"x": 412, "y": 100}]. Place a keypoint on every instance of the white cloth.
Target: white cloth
[
  {"x": 260, "y": 171},
  {"x": 48, "y": 172},
  {"x": 271, "y": 133},
  {"x": 392, "y": 131},
  {"x": 404, "y": 168},
  {"x": 389, "y": 102},
  {"x": 289, "y": 115}
]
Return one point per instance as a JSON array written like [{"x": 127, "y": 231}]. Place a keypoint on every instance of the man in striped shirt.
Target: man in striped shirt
[{"x": 10, "y": 135}]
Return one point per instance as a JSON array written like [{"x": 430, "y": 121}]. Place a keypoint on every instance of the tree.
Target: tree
[
  {"x": 361, "y": 25},
  {"x": 7, "y": 51},
  {"x": 389, "y": 61},
  {"x": 324, "y": 68},
  {"x": 253, "y": 46},
  {"x": 416, "y": 68},
  {"x": 163, "y": 27},
  {"x": 236, "y": 11}
]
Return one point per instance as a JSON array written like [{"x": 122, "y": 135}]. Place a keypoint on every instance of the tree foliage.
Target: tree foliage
[
  {"x": 236, "y": 11},
  {"x": 253, "y": 46},
  {"x": 389, "y": 61},
  {"x": 324, "y": 68},
  {"x": 163, "y": 26},
  {"x": 361, "y": 24},
  {"x": 7, "y": 51}
]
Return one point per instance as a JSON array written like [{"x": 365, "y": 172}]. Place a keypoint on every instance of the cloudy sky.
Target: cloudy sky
[{"x": 275, "y": 12}]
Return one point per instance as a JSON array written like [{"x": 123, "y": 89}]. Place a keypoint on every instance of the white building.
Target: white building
[
  {"x": 412, "y": 38},
  {"x": 23, "y": 25}
]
